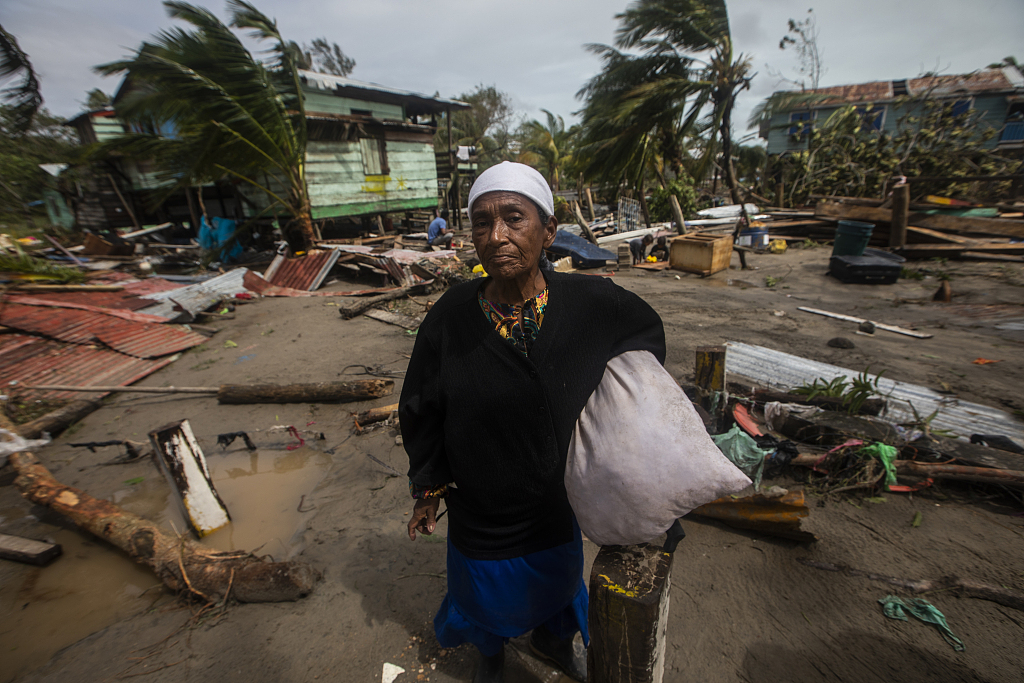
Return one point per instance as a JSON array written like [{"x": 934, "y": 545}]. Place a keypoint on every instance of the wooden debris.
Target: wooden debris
[
  {"x": 945, "y": 293},
  {"x": 404, "y": 321},
  {"x": 629, "y": 603},
  {"x": 184, "y": 464},
  {"x": 317, "y": 392},
  {"x": 900, "y": 214},
  {"x": 355, "y": 308},
  {"x": 55, "y": 422},
  {"x": 963, "y": 225},
  {"x": 27, "y": 550},
  {"x": 182, "y": 564},
  {"x": 710, "y": 378},
  {"x": 375, "y": 415},
  {"x": 779, "y": 516},
  {"x": 888, "y": 328},
  {"x": 584, "y": 226}
]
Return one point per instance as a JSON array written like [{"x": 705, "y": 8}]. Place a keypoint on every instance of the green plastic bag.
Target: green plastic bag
[
  {"x": 886, "y": 455},
  {"x": 895, "y": 608},
  {"x": 743, "y": 452}
]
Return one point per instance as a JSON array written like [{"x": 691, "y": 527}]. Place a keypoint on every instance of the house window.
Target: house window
[
  {"x": 960, "y": 107},
  {"x": 872, "y": 116},
  {"x": 375, "y": 156},
  {"x": 800, "y": 123},
  {"x": 1013, "y": 131},
  {"x": 361, "y": 112}
]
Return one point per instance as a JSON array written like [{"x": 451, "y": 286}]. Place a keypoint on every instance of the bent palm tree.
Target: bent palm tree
[
  {"x": 231, "y": 115},
  {"x": 23, "y": 98},
  {"x": 684, "y": 81},
  {"x": 548, "y": 146}
]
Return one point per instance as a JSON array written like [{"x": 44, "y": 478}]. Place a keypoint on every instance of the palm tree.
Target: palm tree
[
  {"x": 231, "y": 115},
  {"x": 24, "y": 99},
  {"x": 687, "y": 78},
  {"x": 548, "y": 146}
]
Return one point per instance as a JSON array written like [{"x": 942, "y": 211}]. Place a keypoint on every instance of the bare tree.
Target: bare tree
[{"x": 802, "y": 36}]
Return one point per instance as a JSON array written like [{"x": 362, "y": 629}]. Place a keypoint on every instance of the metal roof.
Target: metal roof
[
  {"x": 362, "y": 90},
  {"x": 140, "y": 339},
  {"x": 787, "y": 371},
  {"x": 305, "y": 272},
  {"x": 33, "y": 360},
  {"x": 127, "y": 298},
  {"x": 197, "y": 297},
  {"x": 950, "y": 85},
  {"x": 45, "y": 300}
]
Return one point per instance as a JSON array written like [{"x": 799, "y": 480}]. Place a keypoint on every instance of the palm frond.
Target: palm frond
[{"x": 24, "y": 98}]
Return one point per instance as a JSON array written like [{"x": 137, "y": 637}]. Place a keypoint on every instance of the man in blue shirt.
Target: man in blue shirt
[{"x": 438, "y": 234}]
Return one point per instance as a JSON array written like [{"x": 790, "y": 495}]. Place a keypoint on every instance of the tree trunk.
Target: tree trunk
[
  {"x": 182, "y": 564},
  {"x": 319, "y": 392},
  {"x": 55, "y": 422},
  {"x": 304, "y": 222},
  {"x": 727, "y": 169}
]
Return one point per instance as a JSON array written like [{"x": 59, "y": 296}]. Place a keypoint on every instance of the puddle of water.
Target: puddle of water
[
  {"x": 89, "y": 587},
  {"x": 92, "y": 585}
]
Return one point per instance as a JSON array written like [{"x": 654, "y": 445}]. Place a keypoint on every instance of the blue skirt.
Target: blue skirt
[{"x": 490, "y": 601}]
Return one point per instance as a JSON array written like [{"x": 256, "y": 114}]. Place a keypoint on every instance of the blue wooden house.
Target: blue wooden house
[{"x": 995, "y": 94}]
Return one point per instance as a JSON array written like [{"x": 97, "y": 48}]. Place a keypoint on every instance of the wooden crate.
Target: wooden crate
[{"x": 701, "y": 254}]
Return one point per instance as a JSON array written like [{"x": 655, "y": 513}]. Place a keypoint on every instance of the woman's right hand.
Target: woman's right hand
[{"x": 424, "y": 517}]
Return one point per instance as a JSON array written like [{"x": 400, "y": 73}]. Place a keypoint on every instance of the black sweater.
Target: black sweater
[{"x": 476, "y": 412}]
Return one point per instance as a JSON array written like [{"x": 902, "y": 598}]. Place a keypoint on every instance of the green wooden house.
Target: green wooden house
[
  {"x": 995, "y": 94},
  {"x": 370, "y": 151}
]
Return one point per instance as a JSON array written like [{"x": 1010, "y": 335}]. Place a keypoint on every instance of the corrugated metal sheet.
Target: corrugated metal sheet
[
  {"x": 140, "y": 339},
  {"x": 305, "y": 272},
  {"x": 985, "y": 80},
  {"x": 787, "y": 371},
  {"x": 33, "y": 360},
  {"x": 340, "y": 83},
  {"x": 126, "y": 299},
  {"x": 116, "y": 312},
  {"x": 197, "y": 297}
]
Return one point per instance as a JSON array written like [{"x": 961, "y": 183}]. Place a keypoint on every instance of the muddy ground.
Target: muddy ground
[{"x": 743, "y": 608}]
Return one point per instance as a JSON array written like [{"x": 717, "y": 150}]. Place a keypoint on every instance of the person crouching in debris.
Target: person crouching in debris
[
  {"x": 438, "y": 234},
  {"x": 638, "y": 248},
  {"x": 660, "y": 249},
  {"x": 501, "y": 370}
]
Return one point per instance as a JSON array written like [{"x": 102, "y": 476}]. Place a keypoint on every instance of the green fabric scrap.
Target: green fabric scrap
[
  {"x": 886, "y": 455},
  {"x": 895, "y": 608},
  {"x": 743, "y": 452}
]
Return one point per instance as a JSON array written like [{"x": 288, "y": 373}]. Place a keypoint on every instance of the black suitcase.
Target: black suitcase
[{"x": 875, "y": 267}]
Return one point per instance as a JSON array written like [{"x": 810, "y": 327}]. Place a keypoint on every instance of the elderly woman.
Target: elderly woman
[{"x": 501, "y": 370}]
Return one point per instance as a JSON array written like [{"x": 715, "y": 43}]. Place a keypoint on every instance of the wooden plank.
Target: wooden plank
[
  {"x": 978, "y": 247},
  {"x": 933, "y": 235},
  {"x": 184, "y": 464},
  {"x": 958, "y": 224},
  {"x": 710, "y": 378},
  {"x": 629, "y": 604},
  {"x": 27, "y": 550},
  {"x": 398, "y": 319},
  {"x": 888, "y": 328}
]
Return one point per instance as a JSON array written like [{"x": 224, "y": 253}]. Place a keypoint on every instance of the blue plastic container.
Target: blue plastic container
[{"x": 755, "y": 238}]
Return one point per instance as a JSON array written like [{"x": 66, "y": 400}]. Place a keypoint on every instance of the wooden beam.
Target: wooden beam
[
  {"x": 677, "y": 213},
  {"x": 184, "y": 464},
  {"x": 629, "y": 603},
  {"x": 900, "y": 213},
  {"x": 27, "y": 550},
  {"x": 919, "y": 251},
  {"x": 590, "y": 205},
  {"x": 933, "y": 236},
  {"x": 967, "y": 225},
  {"x": 584, "y": 226}
]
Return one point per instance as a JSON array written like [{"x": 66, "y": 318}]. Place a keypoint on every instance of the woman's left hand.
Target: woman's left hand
[{"x": 424, "y": 517}]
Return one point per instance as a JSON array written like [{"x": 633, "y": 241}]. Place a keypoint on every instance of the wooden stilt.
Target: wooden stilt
[{"x": 709, "y": 376}]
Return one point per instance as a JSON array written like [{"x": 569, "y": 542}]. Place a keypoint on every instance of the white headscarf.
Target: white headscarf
[{"x": 509, "y": 176}]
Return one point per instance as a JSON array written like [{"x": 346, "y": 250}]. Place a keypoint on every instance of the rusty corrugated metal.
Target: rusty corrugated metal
[
  {"x": 116, "y": 312},
  {"x": 304, "y": 272},
  {"x": 985, "y": 80},
  {"x": 140, "y": 339},
  {"x": 33, "y": 360}
]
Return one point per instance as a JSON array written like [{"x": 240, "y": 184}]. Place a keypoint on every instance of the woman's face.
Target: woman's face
[{"x": 508, "y": 234}]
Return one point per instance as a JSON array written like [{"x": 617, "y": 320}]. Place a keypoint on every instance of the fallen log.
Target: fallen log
[
  {"x": 982, "y": 475},
  {"x": 57, "y": 421},
  {"x": 316, "y": 392},
  {"x": 355, "y": 308},
  {"x": 969, "y": 587},
  {"x": 375, "y": 415},
  {"x": 182, "y": 564}
]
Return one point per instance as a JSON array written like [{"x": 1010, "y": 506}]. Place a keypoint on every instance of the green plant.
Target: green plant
[
  {"x": 911, "y": 274},
  {"x": 770, "y": 281},
  {"x": 682, "y": 188},
  {"x": 853, "y": 393},
  {"x": 31, "y": 268},
  {"x": 820, "y": 387}
]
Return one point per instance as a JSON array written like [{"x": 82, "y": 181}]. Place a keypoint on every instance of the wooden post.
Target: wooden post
[
  {"x": 26, "y": 550},
  {"x": 629, "y": 602},
  {"x": 900, "y": 214},
  {"x": 780, "y": 195},
  {"x": 677, "y": 214},
  {"x": 709, "y": 376},
  {"x": 587, "y": 232},
  {"x": 643, "y": 208},
  {"x": 590, "y": 205},
  {"x": 184, "y": 465}
]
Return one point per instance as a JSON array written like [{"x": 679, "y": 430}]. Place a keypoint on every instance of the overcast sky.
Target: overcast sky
[{"x": 531, "y": 49}]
